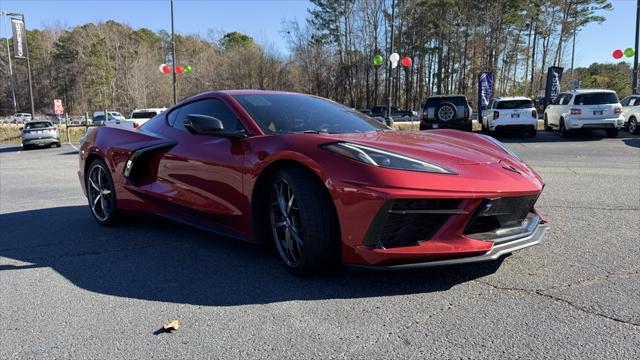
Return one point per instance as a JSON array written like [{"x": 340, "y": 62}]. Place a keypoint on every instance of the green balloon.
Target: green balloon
[
  {"x": 629, "y": 52},
  {"x": 187, "y": 69},
  {"x": 377, "y": 60}
]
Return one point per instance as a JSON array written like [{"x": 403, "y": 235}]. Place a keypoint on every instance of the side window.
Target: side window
[
  {"x": 634, "y": 101},
  {"x": 211, "y": 107},
  {"x": 566, "y": 99},
  {"x": 627, "y": 101}
]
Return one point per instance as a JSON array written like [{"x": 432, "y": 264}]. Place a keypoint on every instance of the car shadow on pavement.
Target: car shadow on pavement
[
  {"x": 11, "y": 149},
  {"x": 633, "y": 142},
  {"x": 551, "y": 137},
  {"x": 158, "y": 260}
]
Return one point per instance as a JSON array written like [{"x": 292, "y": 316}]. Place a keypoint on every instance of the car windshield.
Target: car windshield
[
  {"x": 143, "y": 115},
  {"x": 596, "y": 98},
  {"x": 514, "y": 104},
  {"x": 289, "y": 113},
  {"x": 38, "y": 125},
  {"x": 115, "y": 114}
]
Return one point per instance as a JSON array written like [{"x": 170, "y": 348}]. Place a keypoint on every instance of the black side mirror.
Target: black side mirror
[{"x": 203, "y": 124}]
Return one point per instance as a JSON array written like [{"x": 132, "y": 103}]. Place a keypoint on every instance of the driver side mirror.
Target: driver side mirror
[{"x": 203, "y": 124}]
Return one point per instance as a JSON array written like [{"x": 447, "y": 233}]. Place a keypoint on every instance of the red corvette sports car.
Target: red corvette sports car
[{"x": 325, "y": 183}]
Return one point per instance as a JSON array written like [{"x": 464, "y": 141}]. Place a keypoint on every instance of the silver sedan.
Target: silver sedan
[{"x": 39, "y": 133}]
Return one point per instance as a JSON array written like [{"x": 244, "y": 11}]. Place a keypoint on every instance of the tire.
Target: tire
[
  {"x": 446, "y": 112},
  {"x": 563, "y": 130},
  {"x": 304, "y": 230},
  {"x": 58, "y": 145},
  {"x": 101, "y": 193},
  {"x": 424, "y": 126},
  {"x": 633, "y": 126},
  {"x": 546, "y": 124},
  {"x": 611, "y": 133},
  {"x": 467, "y": 127},
  {"x": 531, "y": 132}
]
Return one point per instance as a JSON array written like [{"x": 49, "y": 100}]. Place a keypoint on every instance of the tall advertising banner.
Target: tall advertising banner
[
  {"x": 485, "y": 91},
  {"x": 554, "y": 76},
  {"x": 19, "y": 51}
]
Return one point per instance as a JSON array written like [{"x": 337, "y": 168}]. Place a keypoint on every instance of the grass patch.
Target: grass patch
[{"x": 10, "y": 134}]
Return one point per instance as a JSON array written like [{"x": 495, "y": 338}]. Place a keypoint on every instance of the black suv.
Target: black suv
[{"x": 446, "y": 111}]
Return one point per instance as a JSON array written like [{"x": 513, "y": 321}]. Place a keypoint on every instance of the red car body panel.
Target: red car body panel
[{"x": 211, "y": 179}]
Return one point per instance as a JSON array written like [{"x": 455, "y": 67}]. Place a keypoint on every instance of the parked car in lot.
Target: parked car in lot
[
  {"x": 511, "y": 113},
  {"x": 631, "y": 113},
  {"x": 585, "y": 109},
  {"x": 446, "y": 111},
  {"x": 21, "y": 118},
  {"x": 99, "y": 119},
  {"x": 39, "y": 133},
  {"x": 323, "y": 183}
]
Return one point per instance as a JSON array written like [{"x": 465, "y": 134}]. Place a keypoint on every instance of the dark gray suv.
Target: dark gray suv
[{"x": 446, "y": 111}]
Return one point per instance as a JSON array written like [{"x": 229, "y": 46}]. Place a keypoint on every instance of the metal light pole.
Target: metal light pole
[
  {"x": 635, "y": 57},
  {"x": 173, "y": 57},
  {"x": 11, "y": 82},
  {"x": 26, "y": 48},
  {"x": 393, "y": 12}
]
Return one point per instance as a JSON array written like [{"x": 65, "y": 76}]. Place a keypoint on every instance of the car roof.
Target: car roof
[
  {"x": 502, "y": 98},
  {"x": 442, "y": 96},
  {"x": 586, "y": 91},
  {"x": 149, "y": 109}
]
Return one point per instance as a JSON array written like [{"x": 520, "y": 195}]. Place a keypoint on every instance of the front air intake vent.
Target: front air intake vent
[{"x": 405, "y": 222}]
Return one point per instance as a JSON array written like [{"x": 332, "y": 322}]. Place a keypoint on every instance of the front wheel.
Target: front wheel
[
  {"x": 563, "y": 130},
  {"x": 303, "y": 223},
  {"x": 546, "y": 123},
  {"x": 633, "y": 126},
  {"x": 101, "y": 193}
]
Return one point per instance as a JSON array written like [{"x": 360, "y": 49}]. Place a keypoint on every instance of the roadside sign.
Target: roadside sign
[{"x": 57, "y": 107}]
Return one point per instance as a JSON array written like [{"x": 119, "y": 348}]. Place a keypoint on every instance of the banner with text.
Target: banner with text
[
  {"x": 554, "y": 76},
  {"x": 19, "y": 49},
  {"x": 485, "y": 91}
]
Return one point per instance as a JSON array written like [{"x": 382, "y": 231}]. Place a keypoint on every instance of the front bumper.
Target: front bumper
[
  {"x": 495, "y": 253},
  {"x": 608, "y": 123}
]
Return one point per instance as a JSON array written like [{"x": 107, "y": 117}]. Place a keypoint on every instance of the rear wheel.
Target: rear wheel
[
  {"x": 303, "y": 223},
  {"x": 58, "y": 144},
  {"x": 101, "y": 193},
  {"x": 611, "y": 133},
  {"x": 530, "y": 132},
  {"x": 633, "y": 126}
]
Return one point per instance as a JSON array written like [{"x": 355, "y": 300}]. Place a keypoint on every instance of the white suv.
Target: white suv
[
  {"x": 585, "y": 109},
  {"x": 631, "y": 113},
  {"x": 511, "y": 113}
]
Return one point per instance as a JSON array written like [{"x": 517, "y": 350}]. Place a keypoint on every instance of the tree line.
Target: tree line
[{"x": 110, "y": 65}]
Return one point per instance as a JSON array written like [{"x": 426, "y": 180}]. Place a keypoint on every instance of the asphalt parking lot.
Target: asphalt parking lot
[{"x": 72, "y": 289}]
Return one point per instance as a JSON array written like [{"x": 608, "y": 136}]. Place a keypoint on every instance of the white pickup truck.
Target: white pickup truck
[{"x": 138, "y": 117}]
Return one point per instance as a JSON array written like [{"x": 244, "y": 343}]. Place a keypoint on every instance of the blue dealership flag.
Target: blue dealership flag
[{"x": 485, "y": 91}]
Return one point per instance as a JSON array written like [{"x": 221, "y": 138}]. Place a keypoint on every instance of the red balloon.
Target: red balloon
[
  {"x": 166, "y": 69},
  {"x": 618, "y": 54},
  {"x": 179, "y": 69},
  {"x": 406, "y": 61}
]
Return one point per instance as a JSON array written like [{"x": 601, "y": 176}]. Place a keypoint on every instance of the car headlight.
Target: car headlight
[
  {"x": 383, "y": 158},
  {"x": 502, "y": 146}
]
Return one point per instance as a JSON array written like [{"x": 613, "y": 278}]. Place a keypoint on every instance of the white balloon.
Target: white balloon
[
  {"x": 394, "y": 57},
  {"x": 161, "y": 66}
]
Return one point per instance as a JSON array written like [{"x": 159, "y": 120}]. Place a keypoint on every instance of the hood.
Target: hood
[{"x": 441, "y": 146}]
